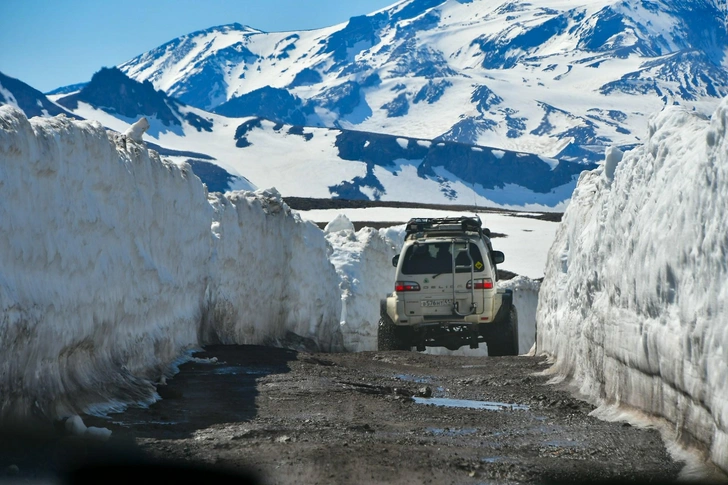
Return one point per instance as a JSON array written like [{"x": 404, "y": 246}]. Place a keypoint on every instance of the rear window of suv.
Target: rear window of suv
[{"x": 436, "y": 257}]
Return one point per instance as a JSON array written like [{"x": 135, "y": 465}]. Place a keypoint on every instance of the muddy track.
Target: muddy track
[
  {"x": 374, "y": 417},
  {"x": 379, "y": 417}
]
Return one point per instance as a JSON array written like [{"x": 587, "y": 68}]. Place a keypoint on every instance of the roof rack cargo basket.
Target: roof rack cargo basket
[{"x": 419, "y": 226}]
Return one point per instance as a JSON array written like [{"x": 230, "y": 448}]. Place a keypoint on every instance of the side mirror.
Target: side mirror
[
  {"x": 498, "y": 257},
  {"x": 395, "y": 260}
]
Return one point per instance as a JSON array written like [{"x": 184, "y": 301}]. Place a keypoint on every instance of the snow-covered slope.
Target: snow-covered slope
[
  {"x": 113, "y": 262},
  {"x": 554, "y": 77},
  {"x": 244, "y": 153},
  {"x": 634, "y": 303}
]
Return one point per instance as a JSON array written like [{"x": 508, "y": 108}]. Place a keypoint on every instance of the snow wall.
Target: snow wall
[
  {"x": 114, "y": 262},
  {"x": 525, "y": 299},
  {"x": 634, "y": 304},
  {"x": 363, "y": 260}
]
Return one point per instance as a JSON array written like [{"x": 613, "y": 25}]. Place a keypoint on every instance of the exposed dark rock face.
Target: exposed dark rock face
[
  {"x": 111, "y": 90},
  {"x": 275, "y": 104},
  {"x": 483, "y": 166},
  {"x": 31, "y": 101}
]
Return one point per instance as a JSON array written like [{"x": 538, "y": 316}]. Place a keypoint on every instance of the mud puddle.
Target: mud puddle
[{"x": 465, "y": 403}]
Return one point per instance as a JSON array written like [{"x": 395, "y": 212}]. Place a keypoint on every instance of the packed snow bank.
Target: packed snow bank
[
  {"x": 75, "y": 426},
  {"x": 96, "y": 297},
  {"x": 363, "y": 260},
  {"x": 525, "y": 298},
  {"x": 339, "y": 223},
  {"x": 273, "y": 282},
  {"x": 113, "y": 263},
  {"x": 634, "y": 303}
]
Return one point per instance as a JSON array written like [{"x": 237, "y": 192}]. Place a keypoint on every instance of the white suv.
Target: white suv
[{"x": 445, "y": 291}]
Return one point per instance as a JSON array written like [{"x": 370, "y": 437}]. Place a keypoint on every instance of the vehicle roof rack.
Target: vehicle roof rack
[{"x": 444, "y": 226}]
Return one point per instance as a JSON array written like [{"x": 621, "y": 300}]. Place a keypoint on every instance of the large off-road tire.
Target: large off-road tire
[
  {"x": 389, "y": 336},
  {"x": 502, "y": 338}
]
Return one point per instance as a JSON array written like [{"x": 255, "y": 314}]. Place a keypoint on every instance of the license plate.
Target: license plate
[{"x": 430, "y": 303}]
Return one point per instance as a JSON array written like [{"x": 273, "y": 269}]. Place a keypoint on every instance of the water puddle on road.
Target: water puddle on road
[
  {"x": 237, "y": 370},
  {"x": 128, "y": 424},
  {"x": 416, "y": 379},
  {"x": 464, "y": 403},
  {"x": 451, "y": 431}
]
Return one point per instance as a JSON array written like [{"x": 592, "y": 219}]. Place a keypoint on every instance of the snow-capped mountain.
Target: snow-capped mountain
[
  {"x": 115, "y": 93},
  {"x": 555, "y": 77},
  {"x": 31, "y": 101},
  {"x": 236, "y": 153}
]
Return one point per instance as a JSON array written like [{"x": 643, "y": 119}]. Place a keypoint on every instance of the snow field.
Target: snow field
[
  {"x": 113, "y": 263},
  {"x": 317, "y": 165},
  {"x": 634, "y": 301},
  {"x": 526, "y": 242}
]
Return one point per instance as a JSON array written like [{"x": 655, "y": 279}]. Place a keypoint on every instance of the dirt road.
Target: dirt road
[
  {"x": 388, "y": 417},
  {"x": 372, "y": 417}
]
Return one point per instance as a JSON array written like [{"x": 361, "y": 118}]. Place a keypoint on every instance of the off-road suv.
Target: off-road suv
[{"x": 445, "y": 291}]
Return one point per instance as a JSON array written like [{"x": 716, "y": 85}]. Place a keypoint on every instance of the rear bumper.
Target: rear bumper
[{"x": 397, "y": 312}]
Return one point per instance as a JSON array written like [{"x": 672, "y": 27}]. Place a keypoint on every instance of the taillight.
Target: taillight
[
  {"x": 482, "y": 284},
  {"x": 406, "y": 286}
]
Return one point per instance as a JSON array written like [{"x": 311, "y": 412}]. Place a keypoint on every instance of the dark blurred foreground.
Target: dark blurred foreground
[{"x": 42, "y": 453}]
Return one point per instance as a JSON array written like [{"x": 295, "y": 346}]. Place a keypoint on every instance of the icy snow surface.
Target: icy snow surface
[
  {"x": 634, "y": 303},
  {"x": 136, "y": 130},
  {"x": 114, "y": 262}
]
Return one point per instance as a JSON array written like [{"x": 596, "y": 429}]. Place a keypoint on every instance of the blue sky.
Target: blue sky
[{"x": 48, "y": 43}]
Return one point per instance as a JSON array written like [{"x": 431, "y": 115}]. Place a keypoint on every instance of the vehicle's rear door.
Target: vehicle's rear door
[{"x": 430, "y": 265}]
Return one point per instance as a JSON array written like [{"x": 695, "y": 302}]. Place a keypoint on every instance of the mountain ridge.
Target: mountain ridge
[
  {"x": 28, "y": 99},
  {"x": 228, "y": 153},
  {"x": 435, "y": 69}
]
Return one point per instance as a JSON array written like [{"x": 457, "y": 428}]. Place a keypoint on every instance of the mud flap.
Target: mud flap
[{"x": 474, "y": 334}]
